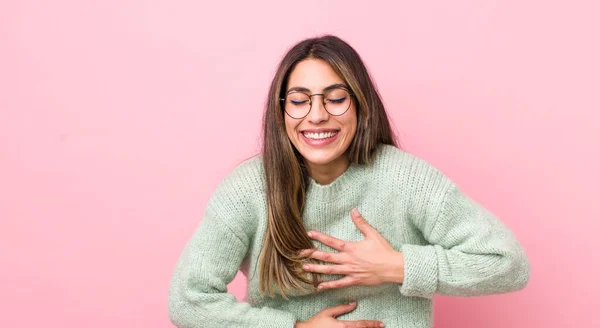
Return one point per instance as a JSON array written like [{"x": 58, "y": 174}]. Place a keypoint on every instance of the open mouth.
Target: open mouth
[{"x": 320, "y": 135}]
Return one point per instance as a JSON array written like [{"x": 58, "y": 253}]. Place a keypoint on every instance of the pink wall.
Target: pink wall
[{"x": 119, "y": 118}]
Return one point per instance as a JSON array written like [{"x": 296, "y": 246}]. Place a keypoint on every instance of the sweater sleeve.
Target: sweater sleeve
[
  {"x": 198, "y": 291},
  {"x": 470, "y": 252}
]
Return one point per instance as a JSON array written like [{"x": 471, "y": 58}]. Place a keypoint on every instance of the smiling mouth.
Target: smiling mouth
[{"x": 321, "y": 135}]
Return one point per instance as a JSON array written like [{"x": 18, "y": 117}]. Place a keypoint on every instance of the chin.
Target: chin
[
  {"x": 318, "y": 160},
  {"x": 319, "y": 157}
]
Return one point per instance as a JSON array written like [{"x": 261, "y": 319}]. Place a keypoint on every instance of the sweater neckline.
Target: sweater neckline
[{"x": 335, "y": 189}]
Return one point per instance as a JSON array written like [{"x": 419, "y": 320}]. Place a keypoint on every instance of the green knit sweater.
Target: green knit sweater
[{"x": 451, "y": 246}]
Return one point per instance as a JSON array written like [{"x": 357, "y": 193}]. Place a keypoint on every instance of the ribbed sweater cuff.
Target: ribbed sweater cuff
[{"x": 420, "y": 271}]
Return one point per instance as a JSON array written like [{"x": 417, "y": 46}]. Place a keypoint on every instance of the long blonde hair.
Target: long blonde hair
[{"x": 286, "y": 173}]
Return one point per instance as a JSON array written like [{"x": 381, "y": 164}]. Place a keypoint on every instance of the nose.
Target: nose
[{"x": 317, "y": 113}]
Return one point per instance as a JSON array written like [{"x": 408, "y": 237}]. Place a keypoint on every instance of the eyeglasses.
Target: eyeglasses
[{"x": 298, "y": 104}]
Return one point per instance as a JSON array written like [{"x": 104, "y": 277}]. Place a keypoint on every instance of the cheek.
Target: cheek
[
  {"x": 351, "y": 121},
  {"x": 289, "y": 128}
]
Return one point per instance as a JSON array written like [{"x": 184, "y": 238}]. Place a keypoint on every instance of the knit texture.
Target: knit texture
[{"x": 451, "y": 246}]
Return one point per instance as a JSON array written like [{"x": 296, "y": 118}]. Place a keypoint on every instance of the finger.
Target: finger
[
  {"x": 338, "y": 310},
  {"x": 327, "y": 257},
  {"x": 340, "y": 283},
  {"x": 361, "y": 223},
  {"x": 326, "y": 268},
  {"x": 330, "y": 241},
  {"x": 306, "y": 252},
  {"x": 363, "y": 323}
]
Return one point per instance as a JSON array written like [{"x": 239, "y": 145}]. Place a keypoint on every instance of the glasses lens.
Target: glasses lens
[
  {"x": 297, "y": 104},
  {"x": 337, "y": 101}
]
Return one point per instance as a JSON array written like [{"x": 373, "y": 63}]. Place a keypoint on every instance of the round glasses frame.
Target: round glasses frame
[{"x": 350, "y": 94}]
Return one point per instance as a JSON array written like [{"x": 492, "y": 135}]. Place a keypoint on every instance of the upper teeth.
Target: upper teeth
[{"x": 321, "y": 135}]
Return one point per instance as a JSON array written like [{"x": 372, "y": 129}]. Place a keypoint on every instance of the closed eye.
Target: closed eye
[
  {"x": 298, "y": 102},
  {"x": 337, "y": 101}
]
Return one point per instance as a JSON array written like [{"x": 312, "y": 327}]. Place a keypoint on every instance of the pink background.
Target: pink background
[{"x": 119, "y": 118}]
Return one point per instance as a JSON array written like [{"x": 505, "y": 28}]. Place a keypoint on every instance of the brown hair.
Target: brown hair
[{"x": 285, "y": 170}]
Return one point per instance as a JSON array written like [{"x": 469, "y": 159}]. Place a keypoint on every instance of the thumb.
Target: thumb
[
  {"x": 337, "y": 310},
  {"x": 360, "y": 222}
]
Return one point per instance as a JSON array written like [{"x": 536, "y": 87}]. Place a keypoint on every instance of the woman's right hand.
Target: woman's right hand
[{"x": 327, "y": 319}]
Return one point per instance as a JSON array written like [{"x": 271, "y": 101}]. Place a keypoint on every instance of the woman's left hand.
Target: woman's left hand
[{"x": 369, "y": 262}]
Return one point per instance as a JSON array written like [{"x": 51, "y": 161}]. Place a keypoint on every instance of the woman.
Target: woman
[{"x": 332, "y": 224}]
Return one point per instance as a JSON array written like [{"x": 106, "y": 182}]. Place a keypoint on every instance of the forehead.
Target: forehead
[{"x": 313, "y": 74}]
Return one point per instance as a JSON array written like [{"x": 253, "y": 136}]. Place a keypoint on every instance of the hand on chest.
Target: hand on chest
[{"x": 354, "y": 255}]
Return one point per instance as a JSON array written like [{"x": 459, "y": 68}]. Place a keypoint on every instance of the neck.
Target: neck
[{"x": 324, "y": 174}]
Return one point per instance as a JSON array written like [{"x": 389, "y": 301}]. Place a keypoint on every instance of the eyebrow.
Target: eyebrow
[{"x": 333, "y": 86}]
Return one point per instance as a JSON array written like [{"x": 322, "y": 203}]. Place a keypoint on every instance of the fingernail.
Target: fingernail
[
  {"x": 355, "y": 212},
  {"x": 309, "y": 234},
  {"x": 352, "y": 303},
  {"x": 305, "y": 267},
  {"x": 320, "y": 287},
  {"x": 381, "y": 325}
]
